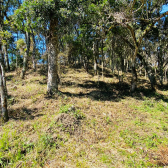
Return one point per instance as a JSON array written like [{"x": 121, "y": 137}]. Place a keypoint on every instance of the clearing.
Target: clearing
[{"x": 87, "y": 124}]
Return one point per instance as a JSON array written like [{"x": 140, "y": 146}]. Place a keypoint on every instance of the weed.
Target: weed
[
  {"x": 71, "y": 109},
  {"x": 65, "y": 108},
  {"x": 106, "y": 159},
  {"x": 4, "y": 141},
  {"x": 78, "y": 114}
]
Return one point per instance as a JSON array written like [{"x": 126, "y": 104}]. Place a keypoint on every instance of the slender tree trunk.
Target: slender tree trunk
[
  {"x": 134, "y": 78},
  {"x": 160, "y": 66},
  {"x": 95, "y": 67},
  {"x": 165, "y": 74},
  {"x": 95, "y": 60},
  {"x": 161, "y": 75},
  {"x": 17, "y": 53},
  {"x": 16, "y": 61},
  {"x": 3, "y": 89},
  {"x": 34, "y": 52},
  {"x": 2, "y": 66},
  {"x": 12, "y": 57},
  {"x": 127, "y": 67},
  {"x": 6, "y": 58},
  {"x": 134, "y": 73},
  {"x": 25, "y": 59},
  {"x": 118, "y": 73},
  {"x": 52, "y": 84},
  {"x": 5, "y": 116},
  {"x": 124, "y": 65},
  {"x": 102, "y": 60}
]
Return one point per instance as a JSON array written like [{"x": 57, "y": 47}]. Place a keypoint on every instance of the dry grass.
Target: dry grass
[{"x": 109, "y": 127}]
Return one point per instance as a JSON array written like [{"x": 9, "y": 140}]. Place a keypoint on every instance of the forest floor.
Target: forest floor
[{"x": 88, "y": 124}]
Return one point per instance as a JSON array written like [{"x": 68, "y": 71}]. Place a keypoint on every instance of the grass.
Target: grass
[{"x": 102, "y": 125}]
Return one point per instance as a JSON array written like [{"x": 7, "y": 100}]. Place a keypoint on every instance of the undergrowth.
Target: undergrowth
[{"x": 113, "y": 131}]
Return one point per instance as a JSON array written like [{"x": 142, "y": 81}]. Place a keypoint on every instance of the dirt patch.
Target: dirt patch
[
  {"x": 40, "y": 105},
  {"x": 67, "y": 123},
  {"x": 161, "y": 157}
]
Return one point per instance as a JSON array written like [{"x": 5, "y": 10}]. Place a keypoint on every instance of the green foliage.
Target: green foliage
[
  {"x": 151, "y": 105},
  {"x": 5, "y": 35},
  {"x": 71, "y": 109},
  {"x": 21, "y": 43},
  {"x": 65, "y": 109}
]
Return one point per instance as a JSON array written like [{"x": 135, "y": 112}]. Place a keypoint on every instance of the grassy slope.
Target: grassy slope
[{"x": 107, "y": 126}]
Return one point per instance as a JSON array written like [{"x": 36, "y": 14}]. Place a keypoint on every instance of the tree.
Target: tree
[
  {"x": 139, "y": 25},
  {"x": 3, "y": 89},
  {"x": 50, "y": 15}
]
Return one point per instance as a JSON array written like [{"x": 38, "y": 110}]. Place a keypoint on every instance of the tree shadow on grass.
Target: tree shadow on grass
[
  {"x": 102, "y": 91},
  {"x": 23, "y": 114},
  {"x": 143, "y": 92},
  {"x": 106, "y": 71},
  {"x": 163, "y": 87},
  {"x": 9, "y": 77}
]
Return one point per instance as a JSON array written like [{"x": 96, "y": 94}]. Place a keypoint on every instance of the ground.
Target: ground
[{"x": 91, "y": 122}]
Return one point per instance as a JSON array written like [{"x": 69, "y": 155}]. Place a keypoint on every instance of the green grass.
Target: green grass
[{"x": 127, "y": 132}]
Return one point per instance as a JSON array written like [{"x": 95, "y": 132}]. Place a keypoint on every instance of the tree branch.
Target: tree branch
[
  {"x": 143, "y": 3},
  {"x": 133, "y": 34},
  {"x": 149, "y": 27}
]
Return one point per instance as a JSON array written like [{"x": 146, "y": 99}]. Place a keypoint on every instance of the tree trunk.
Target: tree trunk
[
  {"x": 166, "y": 75},
  {"x": 148, "y": 71},
  {"x": 161, "y": 76},
  {"x": 102, "y": 60},
  {"x": 5, "y": 117},
  {"x": 134, "y": 78},
  {"x": 25, "y": 59},
  {"x": 95, "y": 60},
  {"x": 4, "y": 113},
  {"x": 145, "y": 73},
  {"x": 127, "y": 67},
  {"x": 160, "y": 64},
  {"x": 17, "y": 53},
  {"x": 3, "y": 89},
  {"x": 16, "y": 61},
  {"x": 6, "y": 58},
  {"x": 2, "y": 66},
  {"x": 134, "y": 73},
  {"x": 52, "y": 84},
  {"x": 34, "y": 52}
]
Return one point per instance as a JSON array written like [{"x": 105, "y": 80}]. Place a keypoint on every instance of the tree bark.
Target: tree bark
[
  {"x": 17, "y": 53},
  {"x": 25, "y": 59},
  {"x": 95, "y": 59},
  {"x": 52, "y": 84},
  {"x": 134, "y": 78},
  {"x": 160, "y": 66},
  {"x": 134, "y": 73},
  {"x": 5, "y": 116},
  {"x": 2, "y": 66},
  {"x": 102, "y": 60},
  {"x": 6, "y": 58},
  {"x": 34, "y": 52},
  {"x": 4, "y": 113},
  {"x": 3, "y": 89}
]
